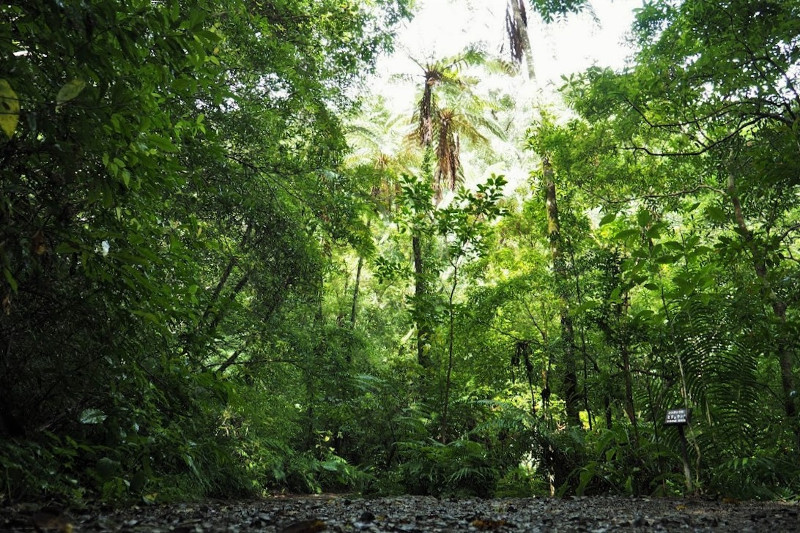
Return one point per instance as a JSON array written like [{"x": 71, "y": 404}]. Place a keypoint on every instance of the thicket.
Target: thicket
[{"x": 224, "y": 277}]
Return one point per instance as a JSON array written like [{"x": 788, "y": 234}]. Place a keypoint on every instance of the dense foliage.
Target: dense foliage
[{"x": 221, "y": 276}]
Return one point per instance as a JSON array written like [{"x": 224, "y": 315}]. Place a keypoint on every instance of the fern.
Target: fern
[{"x": 720, "y": 371}]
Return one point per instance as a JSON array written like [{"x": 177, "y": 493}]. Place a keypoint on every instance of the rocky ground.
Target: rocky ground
[{"x": 414, "y": 514}]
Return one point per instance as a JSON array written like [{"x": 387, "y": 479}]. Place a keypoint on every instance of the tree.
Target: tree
[
  {"x": 165, "y": 188},
  {"x": 720, "y": 121},
  {"x": 379, "y": 156},
  {"x": 465, "y": 227},
  {"x": 446, "y": 125},
  {"x": 560, "y": 268},
  {"x": 517, "y": 25}
]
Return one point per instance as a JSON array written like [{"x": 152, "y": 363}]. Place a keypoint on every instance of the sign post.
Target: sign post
[{"x": 680, "y": 418}]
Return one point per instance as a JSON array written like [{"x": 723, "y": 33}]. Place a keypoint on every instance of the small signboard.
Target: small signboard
[{"x": 677, "y": 417}]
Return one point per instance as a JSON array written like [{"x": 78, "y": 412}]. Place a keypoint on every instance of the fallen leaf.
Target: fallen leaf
[
  {"x": 305, "y": 526},
  {"x": 488, "y": 525},
  {"x": 44, "y": 520}
]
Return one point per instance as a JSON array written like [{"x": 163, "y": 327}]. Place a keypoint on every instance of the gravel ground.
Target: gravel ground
[{"x": 414, "y": 514}]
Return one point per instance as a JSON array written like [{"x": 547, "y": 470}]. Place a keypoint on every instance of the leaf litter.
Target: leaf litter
[{"x": 412, "y": 514}]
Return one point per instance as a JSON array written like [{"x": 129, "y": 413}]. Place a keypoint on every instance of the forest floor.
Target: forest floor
[{"x": 414, "y": 514}]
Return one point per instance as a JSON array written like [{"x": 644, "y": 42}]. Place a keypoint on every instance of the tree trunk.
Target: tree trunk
[
  {"x": 420, "y": 290},
  {"x": 570, "y": 378},
  {"x": 517, "y": 26},
  {"x": 357, "y": 285},
  {"x": 226, "y": 274},
  {"x": 784, "y": 352},
  {"x": 584, "y": 353},
  {"x": 355, "y": 292},
  {"x": 450, "y": 339},
  {"x": 625, "y": 352}
]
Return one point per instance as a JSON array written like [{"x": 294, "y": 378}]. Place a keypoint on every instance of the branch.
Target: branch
[
  {"x": 785, "y": 233},
  {"x": 704, "y": 147},
  {"x": 231, "y": 361},
  {"x": 695, "y": 120},
  {"x": 533, "y": 319},
  {"x": 675, "y": 194}
]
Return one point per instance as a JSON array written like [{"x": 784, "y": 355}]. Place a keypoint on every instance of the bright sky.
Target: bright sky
[{"x": 443, "y": 28}]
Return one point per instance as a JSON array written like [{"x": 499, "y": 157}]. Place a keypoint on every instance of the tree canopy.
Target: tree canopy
[{"x": 230, "y": 269}]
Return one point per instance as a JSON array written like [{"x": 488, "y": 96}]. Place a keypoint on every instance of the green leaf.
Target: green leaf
[
  {"x": 92, "y": 416},
  {"x": 608, "y": 219},
  {"x": 587, "y": 305},
  {"x": 9, "y": 108},
  {"x": 164, "y": 143},
  {"x": 66, "y": 248},
  {"x": 10, "y": 279},
  {"x": 107, "y": 468},
  {"x": 666, "y": 259},
  {"x": 654, "y": 232},
  {"x": 715, "y": 214},
  {"x": 70, "y": 90},
  {"x": 626, "y": 233},
  {"x": 138, "y": 481}
]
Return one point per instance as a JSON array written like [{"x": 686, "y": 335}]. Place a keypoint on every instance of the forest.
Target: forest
[{"x": 229, "y": 269}]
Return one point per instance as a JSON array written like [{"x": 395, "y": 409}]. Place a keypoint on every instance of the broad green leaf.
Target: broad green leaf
[
  {"x": 107, "y": 468},
  {"x": 608, "y": 219},
  {"x": 92, "y": 416},
  {"x": 9, "y": 108},
  {"x": 162, "y": 142},
  {"x": 70, "y": 90},
  {"x": 624, "y": 234},
  {"x": 587, "y": 305},
  {"x": 715, "y": 214},
  {"x": 655, "y": 231}
]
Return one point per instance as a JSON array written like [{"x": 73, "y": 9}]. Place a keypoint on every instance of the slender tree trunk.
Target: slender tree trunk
[
  {"x": 420, "y": 292},
  {"x": 517, "y": 24},
  {"x": 355, "y": 292},
  {"x": 584, "y": 353},
  {"x": 426, "y": 110},
  {"x": 570, "y": 378},
  {"x": 226, "y": 274},
  {"x": 450, "y": 338},
  {"x": 626, "y": 368},
  {"x": 311, "y": 367},
  {"x": 625, "y": 352},
  {"x": 779, "y": 306},
  {"x": 357, "y": 285},
  {"x": 230, "y": 298},
  {"x": 276, "y": 301}
]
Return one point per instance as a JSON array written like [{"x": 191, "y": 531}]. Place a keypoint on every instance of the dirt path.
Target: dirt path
[{"x": 416, "y": 515}]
